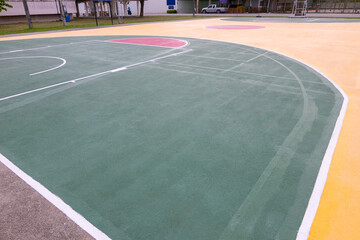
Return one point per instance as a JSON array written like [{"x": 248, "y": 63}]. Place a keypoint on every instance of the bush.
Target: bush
[
  {"x": 238, "y": 9},
  {"x": 171, "y": 11}
]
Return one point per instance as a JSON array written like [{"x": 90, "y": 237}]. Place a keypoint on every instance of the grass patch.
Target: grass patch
[{"x": 15, "y": 28}]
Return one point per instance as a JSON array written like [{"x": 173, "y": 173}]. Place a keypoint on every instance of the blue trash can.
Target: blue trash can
[{"x": 67, "y": 17}]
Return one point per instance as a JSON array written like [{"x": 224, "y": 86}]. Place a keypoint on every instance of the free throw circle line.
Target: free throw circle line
[{"x": 50, "y": 69}]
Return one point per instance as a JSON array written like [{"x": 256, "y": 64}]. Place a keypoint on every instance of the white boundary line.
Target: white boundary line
[
  {"x": 314, "y": 201},
  {"x": 56, "y": 201}
]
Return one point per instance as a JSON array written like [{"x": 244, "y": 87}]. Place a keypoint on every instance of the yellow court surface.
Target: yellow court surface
[{"x": 331, "y": 48}]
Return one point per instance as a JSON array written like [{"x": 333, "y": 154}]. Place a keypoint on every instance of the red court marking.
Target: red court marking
[
  {"x": 236, "y": 27},
  {"x": 159, "y": 42}
]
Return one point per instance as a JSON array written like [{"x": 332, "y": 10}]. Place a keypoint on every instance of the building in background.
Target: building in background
[
  {"x": 47, "y": 10},
  {"x": 40, "y": 10}
]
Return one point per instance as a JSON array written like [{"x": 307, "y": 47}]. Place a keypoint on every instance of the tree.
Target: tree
[
  {"x": 77, "y": 7},
  {"x": 28, "y": 17},
  {"x": 4, "y": 5},
  {"x": 62, "y": 13},
  {"x": 142, "y": 8}
]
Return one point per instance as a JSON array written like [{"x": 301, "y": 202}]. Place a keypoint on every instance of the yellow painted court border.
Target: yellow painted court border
[{"x": 333, "y": 49}]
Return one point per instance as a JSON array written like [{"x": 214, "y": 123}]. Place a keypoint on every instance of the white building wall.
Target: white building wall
[
  {"x": 160, "y": 7},
  {"x": 52, "y": 7},
  {"x": 150, "y": 7},
  {"x": 38, "y": 8}
]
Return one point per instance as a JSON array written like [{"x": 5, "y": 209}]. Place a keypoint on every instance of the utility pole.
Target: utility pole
[
  {"x": 62, "y": 12},
  {"x": 77, "y": 8},
  {"x": 193, "y": 8},
  {"x": 120, "y": 17},
  {"x": 268, "y": 6},
  {"x": 111, "y": 14},
  {"x": 197, "y": 6},
  {"x": 28, "y": 18},
  {"x": 96, "y": 13}
]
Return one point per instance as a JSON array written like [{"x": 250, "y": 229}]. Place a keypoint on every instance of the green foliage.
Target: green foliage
[
  {"x": 171, "y": 11},
  {"x": 4, "y": 5},
  {"x": 242, "y": 7}
]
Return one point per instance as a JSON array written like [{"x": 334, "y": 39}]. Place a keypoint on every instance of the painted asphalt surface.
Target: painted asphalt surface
[
  {"x": 291, "y": 20},
  {"x": 328, "y": 47},
  {"x": 234, "y": 27},
  {"x": 169, "y": 143}
]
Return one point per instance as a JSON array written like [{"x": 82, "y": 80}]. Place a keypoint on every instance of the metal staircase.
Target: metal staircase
[{"x": 299, "y": 8}]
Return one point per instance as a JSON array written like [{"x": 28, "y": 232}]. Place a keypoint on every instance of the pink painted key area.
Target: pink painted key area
[
  {"x": 159, "y": 42},
  {"x": 235, "y": 27}
]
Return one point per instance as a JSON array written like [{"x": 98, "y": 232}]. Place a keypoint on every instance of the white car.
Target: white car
[{"x": 214, "y": 9}]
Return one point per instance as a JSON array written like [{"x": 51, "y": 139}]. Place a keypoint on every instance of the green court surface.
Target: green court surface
[
  {"x": 213, "y": 140},
  {"x": 293, "y": 20}
]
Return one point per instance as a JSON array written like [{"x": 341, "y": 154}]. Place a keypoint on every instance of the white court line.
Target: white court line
[
  {"x": 247, "y": 61},
  {"x": 141, "y": 44},
  {"x": 278, "y": 77},
  {"x": 32, "y": 74},
  {"x": 251, "y": 59},
  {"x": 251, "y": 50},
  {"x": 158, "y": 58},
  {"x": 192, "y": 66},
  {"x": 249, "y": 73},
  {"x": 56, "y": 201},
  {"x": 313, "y": 20},
  {"x": 93, "y": 75},
  {"x": 52, "y": 198},
  {"x": 51, "y": 86},
  {"x": 118, "y": 69},
  {"x": 217, "y": 58},
  {"x": 49, "y": 46},
  {"x": 291, "y": 139},
  {"x": 247, "y": 80},
  {"x": 14, "y": 51},
  {"x": 314, "y": 201}
]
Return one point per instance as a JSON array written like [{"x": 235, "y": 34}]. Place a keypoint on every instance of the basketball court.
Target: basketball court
[{"x": 204, "y": 129}]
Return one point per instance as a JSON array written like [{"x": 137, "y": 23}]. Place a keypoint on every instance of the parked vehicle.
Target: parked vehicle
[{"x": 214, "y": 9}]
